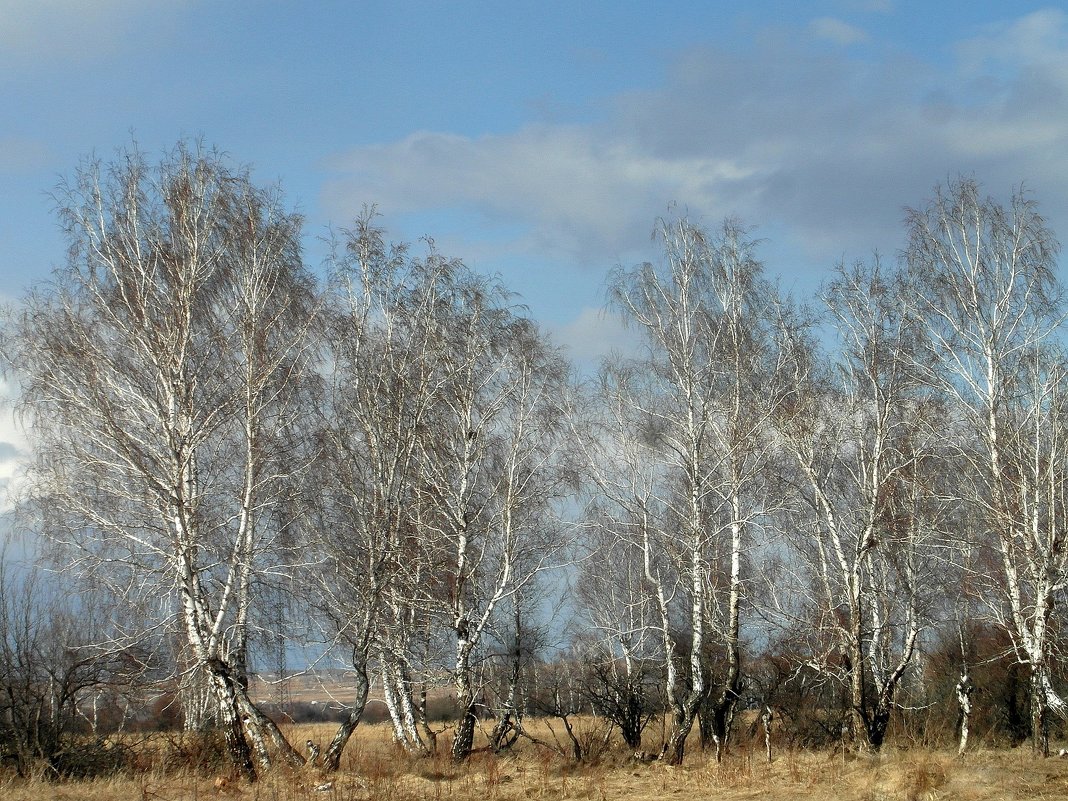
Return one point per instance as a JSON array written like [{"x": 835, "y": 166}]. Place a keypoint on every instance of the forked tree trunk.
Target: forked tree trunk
[
  {"x": 686, "y": 710},
  {"x": 675, "y": 747},
  {"x": 220, "y": 677},
  {"x": 727, "y": 703},
  {"x": 721, "y": 718},
  {"x": 237, "y": 746},
  {"x": 878, "y": 723},
  {"x": 397, "y": 690},
  {"x": 263, "y": 729},
  {"x": 505, "y": 730}
]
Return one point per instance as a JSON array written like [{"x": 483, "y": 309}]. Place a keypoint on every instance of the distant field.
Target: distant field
[
  {"x": 331, "y": 690},
  {"x": 318, "y": 687},
  {"x": 375, "y": 770}
]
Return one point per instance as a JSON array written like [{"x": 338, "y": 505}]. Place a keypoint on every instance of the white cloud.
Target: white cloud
[
  {"x": 836, "y": 31},
  {"x": 1036, "y": 41},
  {"x": 819, "y": 149},
  {"x": 576, "y": 188},
  {"x": 13, "y": 448},
  {"x": 594, "y": 333}
]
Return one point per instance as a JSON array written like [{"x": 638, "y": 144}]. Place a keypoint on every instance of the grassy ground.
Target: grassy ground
[{"x": 374, "y": 770}]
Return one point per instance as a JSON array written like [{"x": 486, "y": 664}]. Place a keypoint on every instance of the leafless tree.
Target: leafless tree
[
  {"x": 560, "y": 696},
  {"x": 684, "y": 450},
  {"x": 520, "y": 636},
  {"x": 991, "y": 306},
  {"x": 492, "y": 469},
  {"x": 161, "y": 375},
  {"x": 381, "y": 336},
  {"x": 860, "y": 433},
  {"x": 613, "y": 595},
  {"x": 58, "y": 660},
  {"x": 445, "y": 450}
]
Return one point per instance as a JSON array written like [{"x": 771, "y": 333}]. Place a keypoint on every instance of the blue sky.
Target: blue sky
[{"x": 540, "y": 140}]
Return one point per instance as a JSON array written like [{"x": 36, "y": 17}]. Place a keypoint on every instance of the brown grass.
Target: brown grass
[{"x": 376, "y": 770}]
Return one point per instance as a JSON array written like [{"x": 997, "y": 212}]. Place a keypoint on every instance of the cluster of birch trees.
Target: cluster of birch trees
[
  {"x": 856, "y": 475},
  {"x": 396, "y": 455}
]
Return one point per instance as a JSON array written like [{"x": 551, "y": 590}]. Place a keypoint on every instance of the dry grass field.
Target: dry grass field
[{"x": 375, "y": 770}]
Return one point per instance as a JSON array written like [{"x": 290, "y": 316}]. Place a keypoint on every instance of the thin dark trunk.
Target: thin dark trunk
[
  {"x": 1039, "y": 715},
  {"x": 877, "y": 725},
  {"x": 722, "y": 718},
  {"x": 576, "y": 746},
  {"x": 675, "y": 747},
  {"x": 631, "y": 723},
  {"x": 332, "y": 757},
  {"x": 465, "y": 734},
  {"x": 506, "y": 731}
]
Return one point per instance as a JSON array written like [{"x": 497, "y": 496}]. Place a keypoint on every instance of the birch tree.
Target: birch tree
[
  {"x": 161, "y": 374},
  {"x": 699, "y": 398},
  {"x": 445, "y": 440},
  {"x": 859, "y": 432},
  {"x": 519, "y": 636},
  {"x": 991, "y": 305},
  {"x": 381, "y": 336},
  {"x": 493, "y": 467},
  {"x": 629, "y": 583},
  {"x": 613, "y": 594}
]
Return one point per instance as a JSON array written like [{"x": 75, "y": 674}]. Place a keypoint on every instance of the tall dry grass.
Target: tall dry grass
[{"x": 375, "y": 769}]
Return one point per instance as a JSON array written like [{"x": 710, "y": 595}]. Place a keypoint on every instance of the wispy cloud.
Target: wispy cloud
[
  {"x": 836, "y": 31},
  {"x": 13, "y": 448},
  {"x": 574, "y": 189},
  {"x": 593, "y": 334}
]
